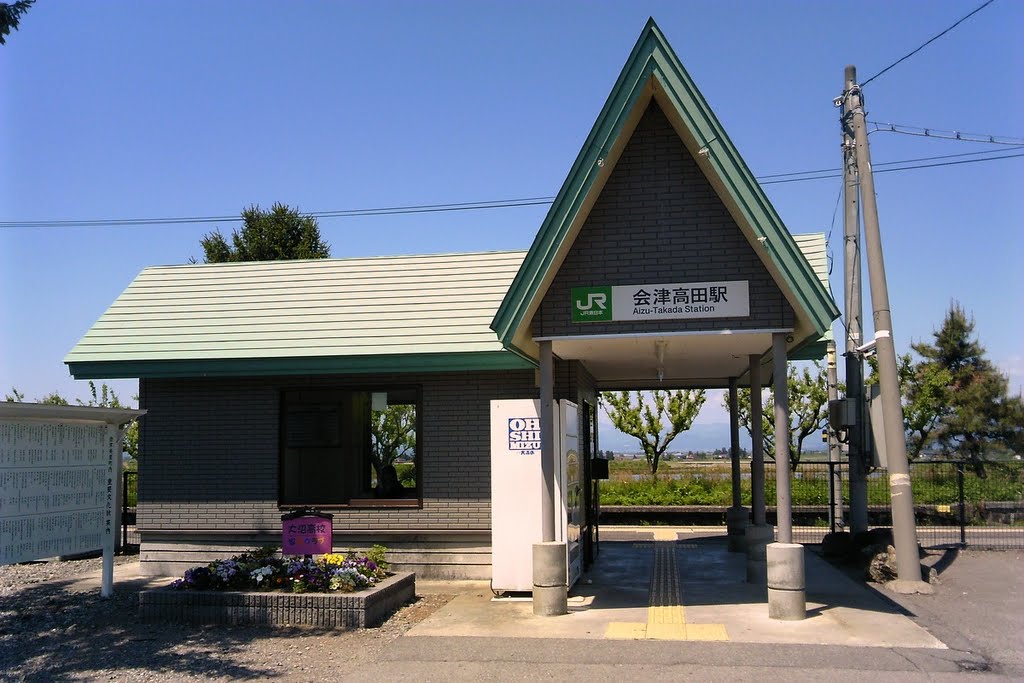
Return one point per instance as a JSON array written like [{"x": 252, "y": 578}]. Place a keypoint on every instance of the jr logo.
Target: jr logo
[
  {"x": 591, "y": 304},
  {"x": 598, "y": 300}
]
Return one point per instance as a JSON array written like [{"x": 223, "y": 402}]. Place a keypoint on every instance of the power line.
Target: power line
[
  {"x": 928, "y": 42},
  {"x": 899, "y": 168},
  {"x": 887, "y": 163},
  {"x": 937, "y": 133},
  {"x": 828, "y": 238},
  {"x": 950, "y": 163},
  {"x": 341, "y": 213},
  {"x": 497, "y": 203}
]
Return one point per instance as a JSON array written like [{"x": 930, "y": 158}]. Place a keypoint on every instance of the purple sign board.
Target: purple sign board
[{"x": 310, "y": 535}]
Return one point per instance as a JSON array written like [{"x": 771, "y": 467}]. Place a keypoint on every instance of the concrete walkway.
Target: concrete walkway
[{"x": 675, "y": 583}]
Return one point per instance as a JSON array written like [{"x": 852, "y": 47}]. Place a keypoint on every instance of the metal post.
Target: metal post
[
  {"x": 756, "y": 444},
  {"x": 854, "y": 317},
  {"x": 904, "y": 531},
  {"x": 963, "y": 504},
  {"x": 737, "y": 517},
  {"x": 784, "y": 502},
  {"x": 835, "y": 480},
  {"x": 124, "y": 511},
  {"x": 734, "y": 442},
  {"x": 547, "y": 440}
]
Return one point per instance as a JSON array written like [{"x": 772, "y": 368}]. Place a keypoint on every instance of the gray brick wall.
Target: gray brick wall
[
  {"x": 658, "y": 220},
  {"x": 210, "y": 452}
]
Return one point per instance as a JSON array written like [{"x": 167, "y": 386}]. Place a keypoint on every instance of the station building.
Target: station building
[{"x": 661, "y": 263}]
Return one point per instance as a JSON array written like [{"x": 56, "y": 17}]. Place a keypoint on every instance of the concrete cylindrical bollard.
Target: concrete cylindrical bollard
[
  {"x": 736, "y": 520},
  {"x": 550, "y": 588},
  {"x": 787, "y": 595},
  {"x": 757, "y": 540}
]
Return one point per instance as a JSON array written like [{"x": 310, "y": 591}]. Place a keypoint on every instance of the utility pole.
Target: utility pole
[
  {"x": 908, "y": 564},
  {"x": 854, "y": 315}
]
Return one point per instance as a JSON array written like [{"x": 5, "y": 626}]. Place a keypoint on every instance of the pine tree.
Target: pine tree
[
  {"x": 978, "y": 412},
  {"x": 280, "y": 234}
]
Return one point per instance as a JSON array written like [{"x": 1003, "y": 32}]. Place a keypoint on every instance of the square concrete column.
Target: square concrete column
[
  {"x": 786, "y": 586},
  {"x": 550, "y": 578},
  {"x": 547, "y": 441}
]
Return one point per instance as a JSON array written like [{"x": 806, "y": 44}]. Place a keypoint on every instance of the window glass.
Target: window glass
[
  {"x": 393, "y": 445},
  {"x": 340, "y": 445}
]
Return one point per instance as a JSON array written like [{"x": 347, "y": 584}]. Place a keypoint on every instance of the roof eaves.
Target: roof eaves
[
  {"x": 256, "y": 367},
  {"x": 582, "y": 175}
]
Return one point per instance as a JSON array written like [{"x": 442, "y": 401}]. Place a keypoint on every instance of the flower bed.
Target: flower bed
[
  {"x": 262, "y": 569},
  {"x": 368, "y": 607},
  {"x": 257, "y": 587}
]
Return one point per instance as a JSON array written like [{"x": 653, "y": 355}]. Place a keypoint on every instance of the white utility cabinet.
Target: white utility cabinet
[{"x": 517, "y": 487}]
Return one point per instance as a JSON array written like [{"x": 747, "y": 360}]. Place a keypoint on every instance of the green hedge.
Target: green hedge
[{"x": 710, "y": 484}]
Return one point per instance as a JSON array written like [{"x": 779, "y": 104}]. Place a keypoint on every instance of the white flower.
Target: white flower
[{"x": 261, "y": 573}]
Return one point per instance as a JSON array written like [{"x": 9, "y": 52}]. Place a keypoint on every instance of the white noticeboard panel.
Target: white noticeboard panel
[{"x": 58, "y": 488}]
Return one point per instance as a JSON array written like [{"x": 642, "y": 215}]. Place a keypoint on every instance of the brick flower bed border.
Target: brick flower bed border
[{"x": 363, "y": 608}]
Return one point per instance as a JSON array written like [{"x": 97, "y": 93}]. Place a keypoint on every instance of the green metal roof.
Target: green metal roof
[
  {"x": 814, "y": 247},
  {"x": 653, "y": 71},
  {"x": 403, "y": 313}
]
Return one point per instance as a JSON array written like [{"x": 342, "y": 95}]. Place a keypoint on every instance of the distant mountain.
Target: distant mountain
[{"x": 702, "y": 437}]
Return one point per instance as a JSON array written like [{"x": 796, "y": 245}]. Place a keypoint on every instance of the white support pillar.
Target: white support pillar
[
  {"x": 780, "y": 386},
  {"x": 550, "y": 578},
  {"x": 787, "y": 597},
  {"x": 547, "y": 440}
]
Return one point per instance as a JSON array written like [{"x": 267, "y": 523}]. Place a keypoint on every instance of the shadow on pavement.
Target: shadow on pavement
[{"x": 50, "y": 632}]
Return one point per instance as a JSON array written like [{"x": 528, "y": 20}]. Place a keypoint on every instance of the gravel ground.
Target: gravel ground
[{"x": 51, "y": 631}]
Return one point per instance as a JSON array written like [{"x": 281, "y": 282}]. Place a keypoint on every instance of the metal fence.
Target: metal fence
[
  {"x": 129, "y": 496},
  {"x": 954, "y": 505}
]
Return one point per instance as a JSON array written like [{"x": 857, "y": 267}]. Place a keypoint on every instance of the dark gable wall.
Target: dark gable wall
[{"x": 658, "y": 220}]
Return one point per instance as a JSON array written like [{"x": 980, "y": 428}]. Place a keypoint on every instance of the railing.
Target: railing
[
  {"x": 129, "y": 497},
  {"x": 953, "y": 504}
]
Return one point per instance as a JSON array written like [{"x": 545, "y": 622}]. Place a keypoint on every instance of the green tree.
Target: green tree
[
  {"x": 808, "y": 410},
  {"x": 52, "y": 399},
  {"x": 280, "y": 234},
  {"x": 107, "y": 398},
  {"x": 924, "y": 388},
  {"x": 640, "y": 416},
  {"x": 975, "y": 411},
  {"x": 392, "y": 435},
  {"x": 10, "y": 17}
]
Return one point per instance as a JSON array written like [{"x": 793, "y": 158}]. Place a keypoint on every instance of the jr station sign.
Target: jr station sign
[{"x": 666, "y": 301}]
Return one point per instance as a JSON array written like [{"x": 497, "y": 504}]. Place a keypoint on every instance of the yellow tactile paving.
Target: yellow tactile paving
[
  {"x": 626, "y": 631},
  {"x": 665, "y": 535},
  {"x": 665, "y": 621},
  {"x": 706, "y": 632}
]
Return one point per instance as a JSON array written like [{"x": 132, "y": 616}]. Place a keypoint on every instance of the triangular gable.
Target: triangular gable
[{"x": 654, "y": 71}]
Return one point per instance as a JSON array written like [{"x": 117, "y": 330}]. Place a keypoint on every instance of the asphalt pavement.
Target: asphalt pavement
[{"x": 972, "y": 626}]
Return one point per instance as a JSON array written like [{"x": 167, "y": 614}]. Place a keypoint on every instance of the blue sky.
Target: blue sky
[{"x": 152, "y": 109}]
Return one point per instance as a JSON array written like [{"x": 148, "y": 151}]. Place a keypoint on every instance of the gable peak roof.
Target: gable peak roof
[{"x": 653, "y": 71}]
